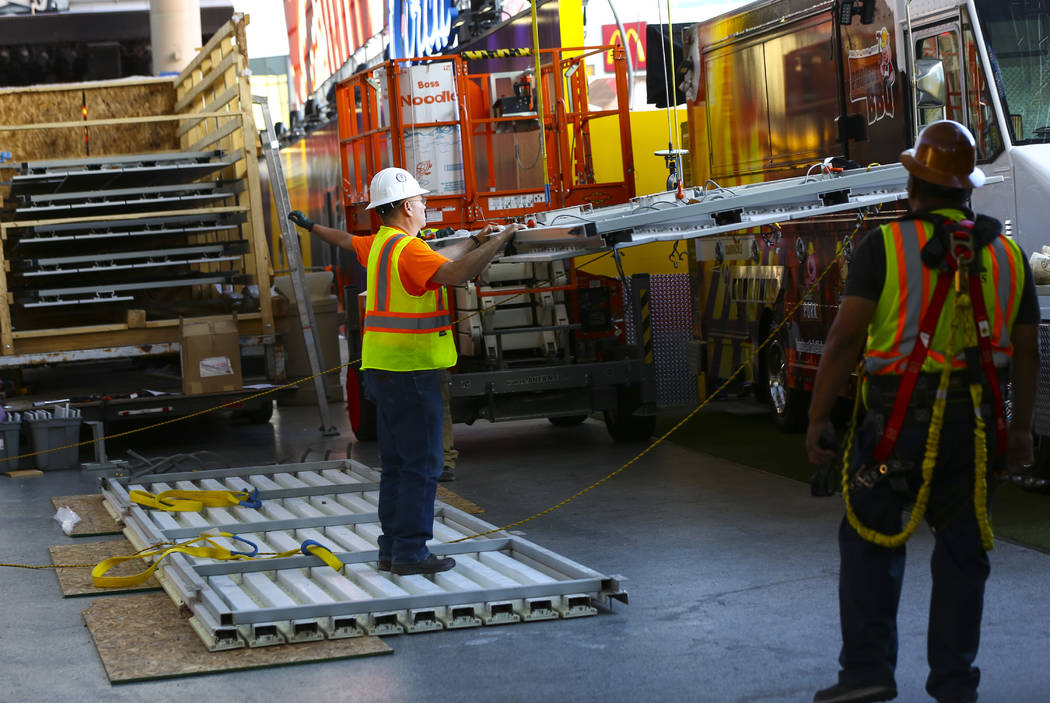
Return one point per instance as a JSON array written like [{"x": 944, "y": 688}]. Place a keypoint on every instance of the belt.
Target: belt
[{"x": 882, "y": 391}]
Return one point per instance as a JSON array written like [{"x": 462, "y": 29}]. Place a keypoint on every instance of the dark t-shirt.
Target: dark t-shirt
[{"x": 867, "y": 275}]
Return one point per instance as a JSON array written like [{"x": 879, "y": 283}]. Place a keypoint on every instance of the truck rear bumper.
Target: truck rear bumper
[{"x": 574, "y": 389}]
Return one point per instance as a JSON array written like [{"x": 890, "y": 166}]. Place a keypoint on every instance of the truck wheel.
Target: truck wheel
[
  {"x": 567, "y": 420},
  {"x": 623, "y": 425},
  {"x": 788, "y": 405},
  {"x": 361, "y": 410},
  {"x": 257, "y": 414}
]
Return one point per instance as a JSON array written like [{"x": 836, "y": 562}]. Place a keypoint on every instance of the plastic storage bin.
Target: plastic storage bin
[
  {"x": 52, "y": 433},
  {"x": 9, "y": 432}
]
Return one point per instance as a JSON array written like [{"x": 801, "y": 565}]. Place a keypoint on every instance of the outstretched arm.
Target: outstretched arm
[
  {"x": 467, "y": 266},
  {"x": 333, "y": 236}
]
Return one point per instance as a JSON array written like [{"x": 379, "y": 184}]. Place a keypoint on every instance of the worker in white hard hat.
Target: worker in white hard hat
[{"x": 407, "y": 345}]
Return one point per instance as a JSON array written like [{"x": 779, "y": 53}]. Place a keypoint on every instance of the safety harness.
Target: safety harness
[{"x": 971, "y": 330}]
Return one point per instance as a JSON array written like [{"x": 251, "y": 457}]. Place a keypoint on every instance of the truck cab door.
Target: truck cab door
[{"x": 969, "y": 102}]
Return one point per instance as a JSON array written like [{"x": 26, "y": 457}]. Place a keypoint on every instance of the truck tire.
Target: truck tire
[
  {"x": 623, "y": 425},
  {"x": 789, "y": 406},
  {"x": 567, "y": 420},
  {"x": 360, "y": 410},
  {"x": 259, "y": 414}
]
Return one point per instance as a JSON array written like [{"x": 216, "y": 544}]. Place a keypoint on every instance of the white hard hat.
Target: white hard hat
[{"x": 391, "y": 185}]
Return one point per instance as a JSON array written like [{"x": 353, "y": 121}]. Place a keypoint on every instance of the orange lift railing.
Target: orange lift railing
[{"x": 473, "y": 139}]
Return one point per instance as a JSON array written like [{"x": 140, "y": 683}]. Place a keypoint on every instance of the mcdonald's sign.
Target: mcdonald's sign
[{"x": 635, "y": 43}]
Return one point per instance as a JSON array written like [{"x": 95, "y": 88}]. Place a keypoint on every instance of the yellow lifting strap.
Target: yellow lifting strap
[
  {"x": 208, "y": 550},
  {"x": 189, "y": 501}
]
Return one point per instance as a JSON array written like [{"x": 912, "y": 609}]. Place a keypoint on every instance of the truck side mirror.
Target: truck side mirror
[{"x": 931, "y": 90}]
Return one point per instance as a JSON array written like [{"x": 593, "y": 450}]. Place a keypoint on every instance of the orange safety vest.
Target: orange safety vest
[
  {"x": 908, "y": 289},
  {"x": 402, "y": 332}
]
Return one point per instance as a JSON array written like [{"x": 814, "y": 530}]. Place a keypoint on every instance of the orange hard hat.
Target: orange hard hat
[{"x": 946, "y": 154}]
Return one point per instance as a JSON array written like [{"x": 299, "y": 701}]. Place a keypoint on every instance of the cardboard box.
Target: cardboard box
[
  {"x": 136, "y": 319},
  {"x": 211, "y": 355},
  {"x": 434, "y": 156}
]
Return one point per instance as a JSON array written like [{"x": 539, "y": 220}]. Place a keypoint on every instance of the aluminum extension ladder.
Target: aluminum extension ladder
[{"x": 312, "y": 341}]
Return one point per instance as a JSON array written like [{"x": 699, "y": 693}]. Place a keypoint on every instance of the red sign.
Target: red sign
[
  {"x": 635, "y": 43},
  {"x": 322, "y": 35}
]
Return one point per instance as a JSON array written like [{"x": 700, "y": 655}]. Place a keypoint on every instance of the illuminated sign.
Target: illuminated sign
[
  {"x": 634, "y": 43},
  {"x": 323, "y": 34},
  {"x": 419, "y": 27}
]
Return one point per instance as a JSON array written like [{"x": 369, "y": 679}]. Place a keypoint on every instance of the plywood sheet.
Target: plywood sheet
[
  {"x": 141, "y": 100},
  {"x": 94, "y": 518},
  {"x": 77, "y": 581},
  {"x": 458, "y": 501},
  {"x": 165, "y": 645},
  {"x": 19, "y": 108}
]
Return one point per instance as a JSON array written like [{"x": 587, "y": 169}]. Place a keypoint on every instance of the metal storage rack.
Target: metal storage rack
[{"x": 125, "y": 194}]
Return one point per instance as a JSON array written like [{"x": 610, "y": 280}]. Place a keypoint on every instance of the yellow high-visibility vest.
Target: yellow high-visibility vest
[
  {"x": 908, "y": 290},
  {"x": 402, "y": 332}
]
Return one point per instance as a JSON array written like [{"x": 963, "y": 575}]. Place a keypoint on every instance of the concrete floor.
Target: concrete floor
[{"x": 731, "y": 573}]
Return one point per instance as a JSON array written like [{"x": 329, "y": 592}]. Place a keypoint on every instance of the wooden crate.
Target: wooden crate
[{"x": 208, "y": 106}]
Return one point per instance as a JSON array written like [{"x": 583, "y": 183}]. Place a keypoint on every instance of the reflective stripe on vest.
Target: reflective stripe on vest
[
  {"x": 402, "y": 332},
  {"x": 907, "y": 291}
]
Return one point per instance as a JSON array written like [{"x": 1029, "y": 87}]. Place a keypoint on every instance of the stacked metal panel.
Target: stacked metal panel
[
  {"x": 104, "y": 256},
  {"x": 498, "y": 578},
  {"x": 515, "y": 313}
]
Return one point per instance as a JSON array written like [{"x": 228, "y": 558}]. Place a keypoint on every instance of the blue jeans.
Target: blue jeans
[
  {"x": 409, "y": 414},
  {"x": 870, "y": 576}
]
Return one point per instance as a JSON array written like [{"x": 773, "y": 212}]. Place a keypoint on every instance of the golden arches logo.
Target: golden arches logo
[{"x": 634, "y": 43}]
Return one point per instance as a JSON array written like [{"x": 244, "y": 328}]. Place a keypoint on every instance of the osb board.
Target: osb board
[
  {"x": 94, "y": 518},
  {"x": 458, "y": 501},
  {"x": 77, "y": 581},
  {"x": 17, "y": 108},
  {"x": 166, "y": 646},
  {"x": 140, "y": 100}
]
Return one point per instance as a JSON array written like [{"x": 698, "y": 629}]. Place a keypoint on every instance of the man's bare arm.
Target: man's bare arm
[
  {"x": 469, "y": 265},
  {"x": 845, "y": 340},
  {"x": 333, "y": 236}
]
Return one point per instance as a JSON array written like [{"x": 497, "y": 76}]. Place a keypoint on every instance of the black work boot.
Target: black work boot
[{"x": 864, "y": 693}]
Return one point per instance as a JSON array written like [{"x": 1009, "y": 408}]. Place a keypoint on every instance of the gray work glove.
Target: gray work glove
[{"x": 302, "y": 220}]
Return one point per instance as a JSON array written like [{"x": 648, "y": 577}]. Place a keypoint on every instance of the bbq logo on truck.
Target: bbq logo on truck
[{"x": 872, "y": 77}]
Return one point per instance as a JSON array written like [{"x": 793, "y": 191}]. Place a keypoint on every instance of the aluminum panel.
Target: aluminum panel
[{"x": 498, "y": 579}]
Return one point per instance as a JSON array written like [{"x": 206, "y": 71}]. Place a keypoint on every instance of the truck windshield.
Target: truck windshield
[{"x": 1018, "y": 37}]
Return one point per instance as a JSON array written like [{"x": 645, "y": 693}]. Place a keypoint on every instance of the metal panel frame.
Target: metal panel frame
[{"x": 261, "y": 602}]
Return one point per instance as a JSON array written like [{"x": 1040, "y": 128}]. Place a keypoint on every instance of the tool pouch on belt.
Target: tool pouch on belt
[{"x": 866, "y": 473}]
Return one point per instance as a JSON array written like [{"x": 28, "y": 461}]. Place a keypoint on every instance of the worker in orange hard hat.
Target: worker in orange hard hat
[
  {"x": 407, "y": 345},
  {"x": 945, "y": 309}
]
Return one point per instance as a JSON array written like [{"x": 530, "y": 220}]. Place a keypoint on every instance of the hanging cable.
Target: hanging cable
[
  {"x": 627, "y": 51},
  {"x": 674, "y": 92},
  {"x": 663, "y": 58}
]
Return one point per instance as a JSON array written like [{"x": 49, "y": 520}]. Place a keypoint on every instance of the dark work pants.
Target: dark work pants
[
  {"x": 870, "y": 576},
  {"x": 409, "y": 414}
]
